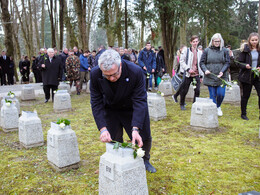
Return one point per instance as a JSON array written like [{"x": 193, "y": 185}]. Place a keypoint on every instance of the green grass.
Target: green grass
[{"x": 187, "y": 162}]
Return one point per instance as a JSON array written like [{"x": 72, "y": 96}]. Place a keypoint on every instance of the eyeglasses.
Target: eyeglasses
[
  {"x": 216, "y": 41},
  {"x": 112, "y": 75}
]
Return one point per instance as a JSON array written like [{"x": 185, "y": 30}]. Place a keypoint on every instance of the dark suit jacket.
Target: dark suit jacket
[
  {"x": 128, "y": 105},
  {"x": 52, "y": 72},
  {"x": 5, "y": 64}
]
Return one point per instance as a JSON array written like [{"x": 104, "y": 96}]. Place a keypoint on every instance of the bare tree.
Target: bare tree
[
  {"x": 8, "y": 28},
  {"x": 61, "y": 18},
  {"x": 71, "y": 38},
  {"x": 80, "y": 7},
  {"x": 36, "y": 26},
  {"x": 91, "y": 10},
  {"x": 42, "y": 24},
  {"x": 50, "y": 10}
]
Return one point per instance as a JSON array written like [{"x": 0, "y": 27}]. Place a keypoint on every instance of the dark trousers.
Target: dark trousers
[
  {"x": 117, "y": 120},
  {"x": 186, "y": 86},
  {"x": 155, "y": 79},
  {"x": 247, "y": 88},
  {"x": 47, "y": 88},
  {"x": 10, "y": 77},
  {"x": 3, "y": 78},
  {"x": 38, "y": 76}
]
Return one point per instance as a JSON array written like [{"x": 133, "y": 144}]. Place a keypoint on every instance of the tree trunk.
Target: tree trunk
[
  {"x": 8, "y": 29},
  {"x": 169, "y": 37},
  {"x": 36, "y": 27},
  {"x": 71, "y": 38},
  {"x": 42, "y": 25},
  {"x": 56, "y": 25},
  {"x": 81, "y": 15},
  {"x": 61, "y": 22},
  {"x": 118, "y": 23},
  {"x": 126, "y": 35},
  {"x": 32, "y": 50},
  {"x": 183, "y": 34},
  {"x": 50, "y": 10}
]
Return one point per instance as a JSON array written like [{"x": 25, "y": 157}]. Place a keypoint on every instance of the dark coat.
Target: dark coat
[
  {"x": 159, "y": 63},
  {"x": 63, "y": 58},
  {"x": 128, "y": 105},
  {"x": 147, "y": 58},
  {"x": 91, "y": 61},
  {"x": 5, "y": 64},
  {"x": 246, "y": 75},
  {"x": 216, "y": 61},
  {"x": 98, "y": 55},
  {"x": 52, "y": 73}
]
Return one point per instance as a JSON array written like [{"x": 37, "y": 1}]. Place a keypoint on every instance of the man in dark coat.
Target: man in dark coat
[
  {"x": 51, "y": 68},
  {"x": 63, "y": 57},
  {"x": 119, "y": 100},
  {"x": 36, "y": 71},
  {"x": 4, "y": 64},
  {"x": 147, "y": 61},
  {"x": 101, "y": 49}
]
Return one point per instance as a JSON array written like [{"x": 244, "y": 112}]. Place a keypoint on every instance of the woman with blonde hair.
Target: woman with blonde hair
[
  {"x": 215, "y": 60},
  {"x": 249, "y": 59}
]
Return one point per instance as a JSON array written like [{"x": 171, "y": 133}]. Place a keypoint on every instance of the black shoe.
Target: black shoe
[
  {"x": 183, "y": 107},
  {"x": 149, "y": 167},
  {"x": 46, "y": 100},
  {"x": 243, "y": 116},
  {"x": 174, "y": 98},
  {"x": 78, "y": 93}
]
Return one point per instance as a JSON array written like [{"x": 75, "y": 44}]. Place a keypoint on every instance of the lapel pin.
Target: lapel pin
[{"x": 127, "y": 79}]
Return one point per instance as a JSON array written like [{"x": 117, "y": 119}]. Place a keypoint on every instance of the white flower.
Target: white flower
[
  {"x": 54, "y": 92},
  {"x": 222, "y": 86},
  {"x": 235, "y": 83},
  {"x": 140, "y": 152},
  {"x": 194, "y": 87},
  {"x": 230, "y": 88},
  {"x": 62, "y": 125},
  {"x": 12, "y": 95},
  {"x": 162, "y": 94},
  {"x": 8, "y": 104}
]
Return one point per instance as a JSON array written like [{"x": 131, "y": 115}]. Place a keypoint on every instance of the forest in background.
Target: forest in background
[{"x": 28, "y": 25}]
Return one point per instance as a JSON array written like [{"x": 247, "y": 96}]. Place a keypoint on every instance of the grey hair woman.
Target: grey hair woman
[{"x": 215, "y": 59}]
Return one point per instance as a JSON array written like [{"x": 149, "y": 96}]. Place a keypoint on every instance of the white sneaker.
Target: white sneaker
[{"x": 220, "y": 113}]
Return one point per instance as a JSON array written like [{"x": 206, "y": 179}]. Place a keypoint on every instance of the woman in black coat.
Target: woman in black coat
[
  {"x": 25, "y": 69},
  {"x": 250, "y": 59}
]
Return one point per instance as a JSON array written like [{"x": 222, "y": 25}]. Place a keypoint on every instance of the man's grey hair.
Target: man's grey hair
[
  {"x": 50, "y": 50},
  {"x": 217, "y": 36},
  {"x": 108, "y": 58}
]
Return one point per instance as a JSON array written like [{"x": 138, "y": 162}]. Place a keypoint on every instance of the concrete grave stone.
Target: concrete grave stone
[
  {"x": 62, "y": 148},
  {"x": 14, "y": 100},
  {"x": 28, "y": 92},
  {"x": 156, "y": 106},
  {"x": 9, "y": 117},
  {"x": 120, "y": 173},
  {"x": 232, "y": 95},
  {"x": 166, "y": 77},
  {"x": 62, "y": 101},
  {"x": 64, "y": 86},
  {"x": 165, "y": 87},
  {"x": 30, "y": 130},
  {"x": 204, "y": 114}
]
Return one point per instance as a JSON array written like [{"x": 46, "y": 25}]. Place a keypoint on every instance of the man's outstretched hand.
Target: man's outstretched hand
[{"x": 137, "y": 137}]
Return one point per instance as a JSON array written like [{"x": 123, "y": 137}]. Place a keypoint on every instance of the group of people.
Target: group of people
[
  {"x": 211, "y": 67},
  {"x": 6, "y": 69}
]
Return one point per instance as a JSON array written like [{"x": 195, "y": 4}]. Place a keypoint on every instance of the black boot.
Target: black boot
[
  {"x": 147, "y": 147},
  {"x": 243, "y": 116}
]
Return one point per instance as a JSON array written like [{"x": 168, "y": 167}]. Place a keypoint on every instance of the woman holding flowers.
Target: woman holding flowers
[
  {"x": 215, "y": 63},
  {"x": 249, "y": 63}
]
